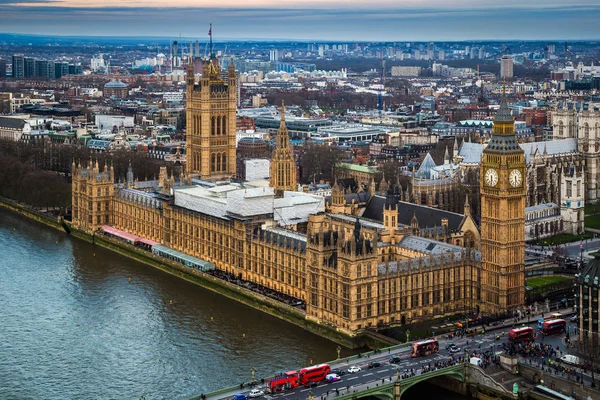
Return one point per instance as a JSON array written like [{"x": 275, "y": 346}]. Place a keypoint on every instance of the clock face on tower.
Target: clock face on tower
[
  {"x": 515, "y": 178},
  {"x": 491, "y": 177}
]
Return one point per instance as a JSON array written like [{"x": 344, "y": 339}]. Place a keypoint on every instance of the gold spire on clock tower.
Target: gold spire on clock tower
[
  {"x": 502, "y": 218},
  {"x": 283, "y": 163}
]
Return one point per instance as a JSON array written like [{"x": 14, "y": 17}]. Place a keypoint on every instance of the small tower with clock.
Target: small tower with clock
[{"x": 503, "y": 193}]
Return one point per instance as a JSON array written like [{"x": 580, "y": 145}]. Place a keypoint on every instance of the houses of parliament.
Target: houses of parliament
[{"x": 388, "y": 262}]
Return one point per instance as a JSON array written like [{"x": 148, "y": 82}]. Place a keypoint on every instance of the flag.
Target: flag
[{"x": 210, "y": 31}]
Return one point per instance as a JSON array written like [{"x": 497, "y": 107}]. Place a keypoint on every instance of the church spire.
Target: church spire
[{"x": 283, "y": 163}]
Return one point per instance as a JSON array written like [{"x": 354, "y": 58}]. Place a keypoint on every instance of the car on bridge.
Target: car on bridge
[
  {"x": 395, "y": 359},
  {"x": 256, "y": 393},
  {"x": 339, "y": 372},
  {"x": 240, "y": 396},
  {"x": 453, "y": 349},
  {"x": 332, "y": 378},
  {"x": 353, "y": 369},
  {"x": 374, "y": 364}
]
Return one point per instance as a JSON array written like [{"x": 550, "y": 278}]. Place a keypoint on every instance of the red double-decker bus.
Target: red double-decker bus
[
  {"x": 316, "y": 373},
  {"x": 425, "y": 348},
  {"x": 554, "y": 326},
  {"x": 521, "y": 335},
  {"x": 285, "y": 381}
]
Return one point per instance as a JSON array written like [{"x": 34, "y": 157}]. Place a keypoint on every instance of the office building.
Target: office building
[
  {"x": 506, "y": 67},
  {"x": 18, "y": 66},
  {"x": 273, "y": 55}
]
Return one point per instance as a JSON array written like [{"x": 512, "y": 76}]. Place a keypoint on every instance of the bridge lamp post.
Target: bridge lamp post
[{"x": 339, "y": 351}]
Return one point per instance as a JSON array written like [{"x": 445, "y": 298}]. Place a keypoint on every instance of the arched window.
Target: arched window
[
  {"x": 213, "y": 162},
  {"x": 223, "y": 125},
  {"x": 218, "y": 166},
  {"x": 586, "y": 131},
  {"x": 213, "y": 126},
  {"x": 218, "y": 126},
  {"x": 561, "y": 129},
  {"x": 223, "y": 162}
]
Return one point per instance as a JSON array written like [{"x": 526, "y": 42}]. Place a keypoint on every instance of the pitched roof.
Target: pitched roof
[
  {"x": 471, "y": 152},
  {"x": 424, "y": 171},
  {"x": 427, "y": 216},
  {"x": 12, "y": 123}
]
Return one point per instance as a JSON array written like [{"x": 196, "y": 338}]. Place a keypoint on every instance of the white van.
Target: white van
[
  {"x": 570, "y": 359},
  {"x": 475, "y": 361}
]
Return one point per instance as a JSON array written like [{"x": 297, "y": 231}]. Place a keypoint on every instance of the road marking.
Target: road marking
[
  {"x": 349, "y": 379},
  {"x": 368, "y": 374},
  {"x": 304, "y": 390}
]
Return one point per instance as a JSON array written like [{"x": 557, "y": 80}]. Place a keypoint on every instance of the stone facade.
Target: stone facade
[
  {"x": 503, "y": 195},
  {"x": 211, "y": 122}
]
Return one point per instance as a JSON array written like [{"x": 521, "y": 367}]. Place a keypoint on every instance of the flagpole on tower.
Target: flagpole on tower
[{"x": 211, "y": 43}]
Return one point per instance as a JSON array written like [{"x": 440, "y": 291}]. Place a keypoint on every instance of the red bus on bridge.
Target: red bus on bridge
[
  {"x": 425, "y": 348},
  {"x": 316, "y": 373},
  {"x": 287, "y": 380},
  {"x": 521, "y": 335},
  {"x": 554, "y": 326}
]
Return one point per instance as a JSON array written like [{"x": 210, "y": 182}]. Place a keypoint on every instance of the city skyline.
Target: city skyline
[{"x": 408, "y": 20}]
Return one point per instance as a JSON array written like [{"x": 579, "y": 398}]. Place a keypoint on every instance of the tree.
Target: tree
[
  {"x": 318, "y": 162},
  {"x": 390, "y": 170},
  {"x": 589, "y": 350}
]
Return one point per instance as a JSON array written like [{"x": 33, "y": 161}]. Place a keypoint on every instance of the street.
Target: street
[{"x": 387, "y": 371}]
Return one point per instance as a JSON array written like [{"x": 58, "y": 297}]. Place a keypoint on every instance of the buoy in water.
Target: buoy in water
[
  {"x": 170, "y": 301},
  {"x": 129, "y": 279},
  {"x": 243, "y": 335}
]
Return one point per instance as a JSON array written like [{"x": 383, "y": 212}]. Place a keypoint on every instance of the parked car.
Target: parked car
[
  {"x": 338, "y": 372},
  {"x": 256, "y": 393},
  {"x": 313, "y": 384},
  {"x": 395, "y": 360},
  {"x": 353, "y": 369},
  {"x": 332, "y": 378},
  {"x": 374, "y": 364},
  {"x": 240, "y": 396}
]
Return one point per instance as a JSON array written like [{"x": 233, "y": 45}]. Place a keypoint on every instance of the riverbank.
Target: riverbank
[{"x": 240, "y": 294}]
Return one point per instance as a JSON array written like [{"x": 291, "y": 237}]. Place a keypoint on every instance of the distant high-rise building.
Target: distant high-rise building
[
  {"x": 61, "y": 69},
  {"x": 482, "y": 53},
  {"x": 274, "y": 55},
  {"x": 75, "y": 69},
  {"x": 29, "y": 69},
  {"x": 506, "y": 67},
  {"x": 44, "y": 69},
  {"x": 551, "y": 48},
  {"x": 467, "y": 50},
  {"x": 18, "y": 66},
  {"x": 2, "y": 69},
  {"x": 441, "y": 55},
  {"x": 473, "y": 53}
]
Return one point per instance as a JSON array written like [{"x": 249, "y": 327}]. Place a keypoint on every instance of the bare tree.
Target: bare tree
[{"x": 589, "y": 350}]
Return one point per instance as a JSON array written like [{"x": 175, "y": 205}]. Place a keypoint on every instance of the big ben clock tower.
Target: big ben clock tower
[{"x": 502, "y": 190}]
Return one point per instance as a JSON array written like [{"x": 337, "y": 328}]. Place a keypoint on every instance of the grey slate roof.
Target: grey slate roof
[
  {"x": 590, "y": 274},
  {"x": 12, "y": 123},
  {"x": 471, "y": 152},
  {"x": 427, "y": 216}
]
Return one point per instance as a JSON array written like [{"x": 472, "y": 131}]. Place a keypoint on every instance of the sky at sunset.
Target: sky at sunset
[{"x": 389, "y": 20}]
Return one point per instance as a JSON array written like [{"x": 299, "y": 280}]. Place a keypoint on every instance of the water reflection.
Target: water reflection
[{"x": 75, "y": 325}]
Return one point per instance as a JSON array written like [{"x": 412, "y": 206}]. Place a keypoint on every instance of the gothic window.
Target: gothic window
[
  {"x": 578, "y": 188},
  {"x": 560, "y": 129},
  {"x": 223, "y": 126},
  {"x": 218, "y": 126},
  {"x": 569, "y": 189},
  {"x": 218, "y": 162},
  {"x": 213, "y": 128},
  {"x": 223, "y": 162},
  {"x": 586, "y": 131},
  {"x": 213, "y": 161}
]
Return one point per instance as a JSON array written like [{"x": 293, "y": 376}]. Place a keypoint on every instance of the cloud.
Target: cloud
[{"x": 410, "y": 23}]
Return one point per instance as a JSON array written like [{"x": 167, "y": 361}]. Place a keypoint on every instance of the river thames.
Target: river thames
[{"x": 74, "y": 325}]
